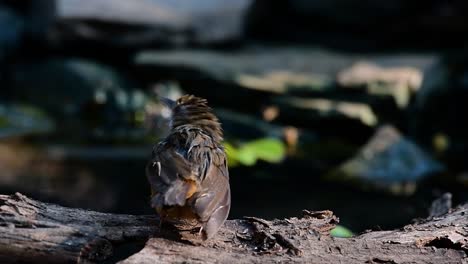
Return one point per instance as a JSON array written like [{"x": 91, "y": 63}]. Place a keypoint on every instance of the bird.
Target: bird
[{"x": 188, "y": 172}]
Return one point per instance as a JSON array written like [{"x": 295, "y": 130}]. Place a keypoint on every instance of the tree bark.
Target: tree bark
[{"x": 32, "y": 231}]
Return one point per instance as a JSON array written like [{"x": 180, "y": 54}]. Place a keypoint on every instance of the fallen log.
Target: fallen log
[{"x": 33, "y": 231}]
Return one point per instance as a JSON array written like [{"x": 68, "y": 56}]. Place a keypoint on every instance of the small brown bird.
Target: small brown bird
[{"x": 188, "y": 170}]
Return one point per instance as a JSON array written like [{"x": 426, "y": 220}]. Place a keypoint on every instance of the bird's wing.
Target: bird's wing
[
  {"x": 213, "y": 203},
  {"x": 169, "y": 175}
]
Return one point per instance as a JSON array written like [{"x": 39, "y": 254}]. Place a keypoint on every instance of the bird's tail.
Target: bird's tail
[{"x": 179, "y": 192}]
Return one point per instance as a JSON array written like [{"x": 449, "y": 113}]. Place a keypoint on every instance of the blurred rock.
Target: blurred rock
[
  {"x": 20, "y": 120},
  {"x": 316, "y": 109},
  {"x": 11, "y": 30},
  {"x": 401, "y": 83},
  {"x": 247, "y": 127},
  {"x": 40, "y": 17},
  {"x": 151, "y": 22},
  {"x": 257, "y": 77},
  {"x": 250, "y": 76},
  {"x": 361, "y": 25},
  {"x": 437, "y": 119},
  {"x": 272, "y": 70},
  {"x": 23, "y": 23},
  {"x": 86, "y": 98},
  {"x": 328, "y": 117},
  {"x": 249, "y": 80},
  {"x": 349, "y": 11},
  {"x": 389, "y": 161},
  {"x": 283, "y": 81},
  {"x": 63, "y": 85}
]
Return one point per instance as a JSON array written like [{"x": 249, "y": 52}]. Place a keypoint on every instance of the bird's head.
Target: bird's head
[{"x": 192, "y": 110}]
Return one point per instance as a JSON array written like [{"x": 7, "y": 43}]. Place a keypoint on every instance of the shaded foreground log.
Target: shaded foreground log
[{"x": 32, "y": 231}]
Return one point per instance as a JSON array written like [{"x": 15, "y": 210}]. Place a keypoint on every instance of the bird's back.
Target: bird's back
[{"x": 189, "y": 178}]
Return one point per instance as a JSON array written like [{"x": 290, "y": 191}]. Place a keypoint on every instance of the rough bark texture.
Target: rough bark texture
[{"x": 32, "y": 231}]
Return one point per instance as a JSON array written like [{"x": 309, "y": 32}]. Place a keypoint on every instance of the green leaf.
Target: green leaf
[
  {"x": 246, "y": 156},
  {"x": 232, "y": 154},
  {"x": 341, "y": 231},
  {"x": 268, "y": 149}
]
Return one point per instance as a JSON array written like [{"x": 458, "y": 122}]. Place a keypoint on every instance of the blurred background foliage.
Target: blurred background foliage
[
  {"x": 354, "y": 106},
  {"x": 247, "y": 154}
]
